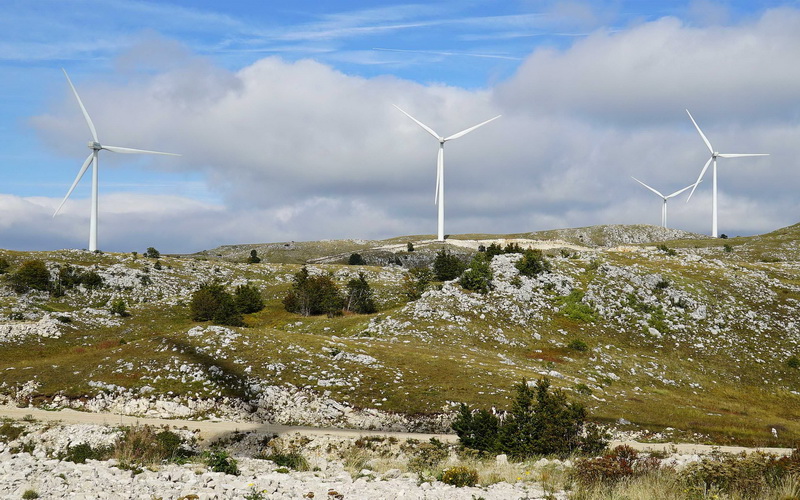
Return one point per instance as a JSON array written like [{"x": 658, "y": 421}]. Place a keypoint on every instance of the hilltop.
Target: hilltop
[{"x": 666, "y": 334}]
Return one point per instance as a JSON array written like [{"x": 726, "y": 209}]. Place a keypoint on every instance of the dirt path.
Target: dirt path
[{"x": 211, "y": 430}]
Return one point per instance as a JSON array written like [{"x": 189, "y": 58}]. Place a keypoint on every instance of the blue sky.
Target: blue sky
[{"x": 282, "y": 111}]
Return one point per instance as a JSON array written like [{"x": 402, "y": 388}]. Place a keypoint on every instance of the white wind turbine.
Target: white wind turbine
[
  {"x": 713, "y": 159},
  {"x": 438, "y": 198},
  {"x": 665, "y": 198},
  {"x": 95, "y": 146}
]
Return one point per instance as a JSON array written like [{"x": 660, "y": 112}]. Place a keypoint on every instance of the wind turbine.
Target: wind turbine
[
  {"x": 665, "y": 198},
  {"x": 713, "y": 159},
  {"x": 95, "y": 146},
  {"x": 438, "y": 198}
]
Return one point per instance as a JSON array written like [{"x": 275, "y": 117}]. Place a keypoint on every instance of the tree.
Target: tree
[
  {"x": 447, "y": 266},
  {"x": 31, "y": 275},
  {"x": 410, "y": 247},
  {"x": 533, "y": 262},
  {"x": 416, "y": 281},
  {"x": 512, "y": 248},
  {"x": 212, "y": 303},
  {"x": 359, "y": 296},
  {"x": 4, "y": 265},
  {"x": 152, "y": 253},
  {"x": 356, "y": 260},
  {"x": 248, "y": 299},
  {"x": 312, "y": 295},
  {"x": 492, "y": 250},
  {"x": 478, "y": 277},
  {"x": 119, "y": 307},
  {"x": 477, "y": 430},
  {"x": 254, "y": 258}
]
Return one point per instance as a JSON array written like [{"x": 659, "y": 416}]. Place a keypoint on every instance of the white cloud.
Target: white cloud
[{"x": 299, "y": 150}]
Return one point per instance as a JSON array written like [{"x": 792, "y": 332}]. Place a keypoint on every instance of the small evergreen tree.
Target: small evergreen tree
[
  {"x": 254, "y": 258},
  {"x": 118, "y": 307},
  {"x": 512, "y": 248},
  {"x": 152, "y": 253},
  {"x": 31, "y": 275},
  {"x": 360, "y": 296},
  {"x": 157, "y": 265},
  {"x": 212, "y": 303},
  {"x": 533, "y": 262},
  {"x": 4, "y": 265},
  {"x": 416, "y": 281},
  {"x": 410, "y": 247},
  {"x": 248, "y": 299},
  {"x": 492, "y": 250},
  {"x": 478, "y": 277},
  {"x": 356, "y": 260},
  {"x": 447, "y": 266},
  {"x": 477, "y": 430},
  {"x": 312, "y": 295}
]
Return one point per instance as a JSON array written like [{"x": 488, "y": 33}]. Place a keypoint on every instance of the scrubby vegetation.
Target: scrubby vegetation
[
  {"x": 313, "y": 295},
  {"x": 447, "y": 266}
]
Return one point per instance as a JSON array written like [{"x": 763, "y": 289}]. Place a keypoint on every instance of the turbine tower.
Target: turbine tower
[
  {"x": 665, "y": 198},
  {"x": 713, "y": 159},
  {"x": 95, "y": 146},
  {"x": 438, "y": 198}
]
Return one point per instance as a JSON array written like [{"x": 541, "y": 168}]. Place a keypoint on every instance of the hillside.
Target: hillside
[{"x": 692, "y": 340}]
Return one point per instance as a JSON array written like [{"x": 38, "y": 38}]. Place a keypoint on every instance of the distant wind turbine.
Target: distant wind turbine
[
  {"x": 713, "y": 159},
  {"x": 95, "y": 146},
  {"x": 438, "y": 198},
  {"x": 665, "y": 198}
]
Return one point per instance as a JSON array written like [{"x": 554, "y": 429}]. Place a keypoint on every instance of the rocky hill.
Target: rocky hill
[{"x": 659, "y": 332}]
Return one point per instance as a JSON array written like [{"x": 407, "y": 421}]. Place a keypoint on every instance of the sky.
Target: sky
[{"x": 282, "y": 113}]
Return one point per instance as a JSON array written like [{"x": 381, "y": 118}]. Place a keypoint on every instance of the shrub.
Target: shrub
[
  {"x": 540, "y": 422},
  {"x": 31, "y": 275},
  {"x": 669, "y": 251},
  {"x": 220, "y": 461},
  {"x": 447, "y": 266},
  {"x": 4, "y": 265},
  {"x": 723, "y": 236},
  {"x": 356, "y": 260},
  {"x": 157, "y": 265},
  {"x": 793, "y": 362},
  {"x": 512, "y": 248},
  {"x": 359, "y": 296},
  {"x": 292, "y": 460},
  {"x": 30, "y": 495},
  {"x": 9, "y": 432},
  {"x": 118, "y": 307},
  {"x": 312, "y": 295},
  {"x": 578, "y": 345},
  {"x": 428, "y": 456},
  {"x": 746, "y": 474},
  {"x": 533, "y": 262},
  {"x": 248, "y": 299},
  {"x": 91, "y": 280},
  {"x": 623, "y": 462},
  {"x": 478, "y": 277},
  {"x": 142, "y": 446},
  {"x": 416, "y": 281},
  {"x": 82, "y": 452},
  {"x": 212, "y": 303},
  {"x": 492, "y": 250},
  {"x": 460, "y": 476},
  {"x": 254, "y": 258},
  {"x": 727, "y": 248},
  {"x": 573, "y": 307},
  {"x": 152, "y": 253},
  {"x": 410, "y": 247}
]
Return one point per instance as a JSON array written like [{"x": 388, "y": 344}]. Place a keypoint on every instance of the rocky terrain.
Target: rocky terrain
[{"x": 683, "y": 339}]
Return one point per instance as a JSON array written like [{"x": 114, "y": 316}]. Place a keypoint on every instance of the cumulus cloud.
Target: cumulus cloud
[{"x": 298, "y": 150}]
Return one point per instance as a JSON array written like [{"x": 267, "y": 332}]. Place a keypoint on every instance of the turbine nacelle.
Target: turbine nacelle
[{"x": 94, "y": 145}]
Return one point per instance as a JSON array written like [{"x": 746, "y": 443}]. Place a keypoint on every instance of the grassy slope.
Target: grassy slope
[{"x": 723, "y": 375}]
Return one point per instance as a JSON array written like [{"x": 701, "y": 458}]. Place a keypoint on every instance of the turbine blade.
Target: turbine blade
[
  {"x": 77, "y": 179},
  {"x": 427, "y": 128},
  {"x": 648, "y": 187},
  {"x": 117, "y": 149},
  {"x": 676, "y": 193},
  {"x": 80, "y": 103},
  {"x": 699, "y": 179},
  {"x": 439, "y": 168},
  {"x": 737, "y": 155},
  {"x": 710, "y": 148},
  {"x": 467, "y": 131}
]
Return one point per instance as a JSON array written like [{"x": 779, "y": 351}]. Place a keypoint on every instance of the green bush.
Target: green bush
[
  {"x": 793, "y": 362},
  {"x": 460, "y": 476},
  {"x": 118, "y": 307},
  {"x": 492, "y": 250},
  {"x": 4, "y": 265},
  {"x": 621, "y": 463},
  {"x": 669, "y": 251},
  {"x": 578, "y": 345},
  {"x": 532, "y": 263},
  {"x": 254, "y": 258},
  {"x": 312, "y": 295},
  {"x": 428, "y": 456},
  {"x": 416, "y": 281},
  {"x": 220, "y": 461},
  {"x": 212, "y": 303},
  {"x": 9, "y": 431},
  {"x": 727, "y": 248},
  {"x": 292, "y": 460},
  {"x": 356, "y": 260},
  {"x": 152, "y": 253},
  {"x": 748, "y": 475},
  {"x": 478, "y": 277},
  {"x": 31, "y": 275},
  {"x": 447, "y": 266},
  {"x": 541, "y": 422},
  {"x": 573, "y": 307},
  {"x": 141, "y": 446},
  {"x": 512, "y": 248},
  {"x": 248, "y": 299},
  {"x": 30, "y": 495},
  {"x": 360, "y": 296},
  {"x": 82, "y": 452}
]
